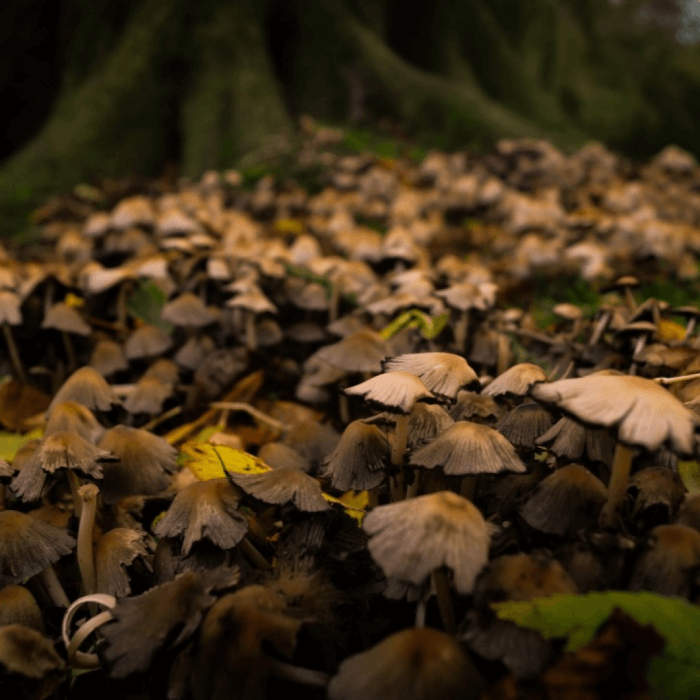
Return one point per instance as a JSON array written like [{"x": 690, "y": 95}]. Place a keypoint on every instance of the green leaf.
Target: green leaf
[
  {"x": 673, "y": 675},
  {"x": 414, "y": 318},
  {"x": 146, "y": 302}
]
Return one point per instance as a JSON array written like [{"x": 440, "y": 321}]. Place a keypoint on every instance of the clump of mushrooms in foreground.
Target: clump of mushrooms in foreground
[{"x": 267, "y": 442}]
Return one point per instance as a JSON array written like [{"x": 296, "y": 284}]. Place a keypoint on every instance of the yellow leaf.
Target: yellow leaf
[
  {"x": 73, "y": 301},
  {"x": 10, "y": 443},
  {"x": 667, "y": 331},
  {"x": 690, "y": 475},
  {"x": 352, "y": 504},
  {"x": 207, "y": 461},
  {"x": 288, "y": 226}
]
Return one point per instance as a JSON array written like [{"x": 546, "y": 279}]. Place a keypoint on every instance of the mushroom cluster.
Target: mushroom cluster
[{"x": 287, "y": 440}]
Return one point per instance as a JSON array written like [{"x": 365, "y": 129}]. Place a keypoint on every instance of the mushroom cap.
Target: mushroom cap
[
  {"x": 87, "y": 387},
  {"x": 147, "y": 341},
  {"x": 116, "y": 550},
  {"x": 10, "y": 312},
  {"x": 29, "y": 545},
  {"x": 361, "y": 351},
  {"x": 65, "y": 450},
  {"x": 395, "y": 392},
  {"x": 283, "y": 485},
  {"x": 443, "y": 373},
  {"x": 516, "y": 380},
  {"x": 27, "y": 652},
  {"x": 566, "y": 501},
  {"x": 145, "y": 460},
  {"x": 187, "y": 310},
  {"x": 643, "y": 413},
  {"x": 74, "y": 418},
  {"x": 65, "y": 318},
  {"x": 149, "y": 395},
  {"x": 524, "y": 424},
  {"x": 19, "y": 606},
  {"x": 205, "y": 509},
  {"x": 174, "y": 611},
  {"x": 359, "y": 459},
  {"x": 468, "y": 448},
  {"x": 413, "y": 664},
  {"x": 108, "y": 357},
  {"x": 410, "y": 539}
]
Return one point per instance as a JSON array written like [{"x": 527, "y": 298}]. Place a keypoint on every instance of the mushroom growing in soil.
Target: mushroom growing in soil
[{"x": 642, "y": 413}]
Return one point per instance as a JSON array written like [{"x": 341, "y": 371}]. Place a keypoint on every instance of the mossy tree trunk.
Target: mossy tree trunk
[{"x": 215, "y": 83}]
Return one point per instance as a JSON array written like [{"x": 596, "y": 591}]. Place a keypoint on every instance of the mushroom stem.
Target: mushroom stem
[
  {"x": 461, "y": 329},
  {"x": 86, "y": 562},
  {"x": 503, "y": 354},
  {"x": 414, "y": 489},
  {"x": 421, "y": 611},
  {"x": 398, "y": 449},
  {"x": 468, "y": 486},
  {"x": 444, "y": 599},
  {"x": 599, "y": 329},
  {"x": 70, "y": 352},
  {"x": 664, "y": 381},
  {"x": 343, "y": 408},
  {"x": 690, "y": 328},
  {"x": 622, "y": 462},
  {"x": 252, "y": 553},
  {"x": 74, "y": 483},
  {"x": 250, "y": 339},
  {"x": 14, "y": 354},
  {"x": 247, "y": 408},
  {"x": 297, "y": 674},
  {"x": 53, "y": 588}
]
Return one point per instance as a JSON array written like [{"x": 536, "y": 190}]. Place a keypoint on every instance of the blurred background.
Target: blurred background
[{"x": 122, "y": 88}]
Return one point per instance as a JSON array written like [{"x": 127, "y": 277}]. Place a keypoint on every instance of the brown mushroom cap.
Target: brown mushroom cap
[
  {"x": 187, "y": 310},
  {"x": 19, "y": 606},
  {"x": 283, "y": 485},
  {"x": 116, "y": 550},
  {"x": 205, "y": 509},
  {"x": 73, "y": 417},
  {"x": 28, "y": 546},
  {"x": 108, "y": 357},
  {"x": 468, "y": 448},
  {"x": 359, "y": 459},
  {"x": 516, "y": 381},
  {"x": 361, "y": 351},
  {"x": 643, "y": 413},
  {"x": 410, "y": 539},
  {"x": 145, "y": 460},
  {"x": 443, "y": 373},
  {"x": 414, "y": 664},
  {"x": 524, "y": 424},
  {"x": 64, "y": 450},
  {"x": 147, "y": 341},
  {"x": 27, "y": 652},
  {"x": 87, "y": 387},
  {"x": 174, "y": 611}
]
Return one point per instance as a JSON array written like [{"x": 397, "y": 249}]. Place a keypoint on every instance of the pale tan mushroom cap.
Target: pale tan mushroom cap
[
  {"x": 116, "y": 550},
  {"x": 362, "y": 351},
  {"x": 187, "y": 310},
  {"x": 469, "y": 448},
  {"x": 443, "y": 373},
  {"x": 394, "y": 391},
  {"x": 644, "y": 413},
  {"x": 410, "y": 539},
  {"x": 64, "y": 450},
  {"x": 88, "y": 387},
  {"x": 516, "y": 380}
]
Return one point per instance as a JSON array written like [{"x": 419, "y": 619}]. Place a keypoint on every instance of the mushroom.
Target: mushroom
[
  {"x": 67, "y": 320},
  {"x": 116, "y": 550},
  {"x": 11, "y": 315},
  {"x": 443, "y": 373},
  {"x": 416, "y": 538},
  {"x": 413, "y": 664},
  {"x": 515, "y": 381},
  {"x": 87, "y": 387},
  {"x": 643, "y": 414},
  {"x": 524, "y": 424}
]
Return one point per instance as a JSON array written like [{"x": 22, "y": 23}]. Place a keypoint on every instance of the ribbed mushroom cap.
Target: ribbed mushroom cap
[
  {"x": 108, "y": 357},
  {"x": 427, "y": 421},
  {"x": 524, "y": 424},
  {"x": 28, "y": 546},
  {"x": 410, "y": 539},
  {"x": 468, "y": 448},
  {"x": 73, "y": 417},
  {"x": 64, "y": 450},
  {"x": 311, "y": 439},
  {"x": 359, "y": 460},
  {"x": 62, "y": 317},
  {"x": 29, "y": 482},
  {"x": 362, "y": 351},
  {"x": 643, "y": 413},
  {"x": 566, "y": 501},
  {"x": 283, "y": 485},
  {"x": 443, "y": 373},
  {"x": 174, "y": 611},
  {"x": 147, "y": 341},
  {"x": 145, "y": 460},
  {"x": 27, "y": 652},
  {"x": 572, "y": 440},
  {"x": 87, "y": 387},
  {"x": 516, "y": 381},
  {"x": 205, "y": 509},
  {"x": 149, "y": 395},
  {"x": 667, "y": 566},
  {"x": 19, "y": 607},
  {"x": 116, "y": 550},
  {"x": 395, "y": 392},
  {"x": 277, "y": 455},
  {"x": 656, "y": 494},
  {"x": 476, "y": 407},
  {"x": 6, "y": 469},
  {"x": 414, "y": 664},
  {"x": 187, "y": 310}
]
